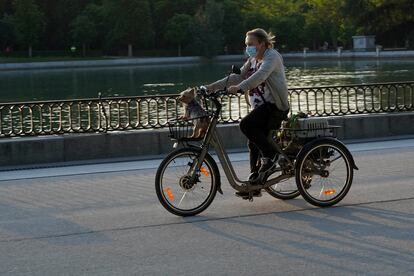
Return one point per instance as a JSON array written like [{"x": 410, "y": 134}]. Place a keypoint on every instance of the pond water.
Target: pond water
[{"x": 57, "y": 84}]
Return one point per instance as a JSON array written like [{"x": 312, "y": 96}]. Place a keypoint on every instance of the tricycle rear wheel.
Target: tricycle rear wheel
[{"x": 324, "y": 172}]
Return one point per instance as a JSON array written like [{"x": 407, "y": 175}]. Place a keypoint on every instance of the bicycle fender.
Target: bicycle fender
[
  {"x": 218, "y": 173},
  {"x": 333, "y": 141}
]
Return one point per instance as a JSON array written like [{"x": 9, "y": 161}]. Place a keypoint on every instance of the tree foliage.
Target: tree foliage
[
  {"x": 178, "y": 30},
  {"x": 127, "y": 22},
  {"x": 207, "y": 32},
  {"x": 206, "y": 27},
  {"x": 7, "y": 32},
  {"x": 28, "y": 21},
  {"x": 85, "y": 28}
]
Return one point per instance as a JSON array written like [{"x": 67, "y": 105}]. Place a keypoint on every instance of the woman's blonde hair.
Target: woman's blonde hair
[{"x": 263, "y": 36}]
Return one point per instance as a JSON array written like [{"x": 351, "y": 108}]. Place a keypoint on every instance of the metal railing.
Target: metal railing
[{"x": 143, "y": 112}]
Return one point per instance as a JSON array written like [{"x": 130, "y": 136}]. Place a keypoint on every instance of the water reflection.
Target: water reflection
[{"x": 57, "y": 84}]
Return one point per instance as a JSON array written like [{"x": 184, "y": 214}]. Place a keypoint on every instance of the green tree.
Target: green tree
[
  {"x": 85, "y": 27},
  {"x": 284, "y": 18},
  {"x": 128, "y": 22},
  {"x": 163, "y": 10},
  {"x": 358, "y": 9},
  {"x": 233, "y": 25},
  {"x": 289, "y": 32},
  {"x": 29, "y": 22},
  {"x": 7, "y": 32},
  {"x": 392, "y": 21},
  {"x": 346, "y": 30},
  {"x": 254, "y": 19},
  {"x": 6, "y": 7},
  {"x": 215, "y": 24},
  {"x": 178, "y": 30},
  {"x": 58, "y": 17},
  {"x": 323, "y": 21},
  {"x": 207, "y": 32},
  {"x": 312, "y": 34},
  {"x": 389, "y": 20}
]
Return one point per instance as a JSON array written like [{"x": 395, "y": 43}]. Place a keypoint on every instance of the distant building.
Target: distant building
[{"x": 364, "y": 42}]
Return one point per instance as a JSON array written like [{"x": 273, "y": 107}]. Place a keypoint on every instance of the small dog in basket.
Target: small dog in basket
[{"x": 194, "y": 110}]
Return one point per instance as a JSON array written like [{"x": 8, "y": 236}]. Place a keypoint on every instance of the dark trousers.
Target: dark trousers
[{"x": 257, "y": 126}]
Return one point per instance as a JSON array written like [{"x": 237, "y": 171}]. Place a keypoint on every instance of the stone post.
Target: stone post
[
  {"x": 305, "y": 51},
  {"x": 378, "y": 50},
  {"x": 340, "y": 51}
]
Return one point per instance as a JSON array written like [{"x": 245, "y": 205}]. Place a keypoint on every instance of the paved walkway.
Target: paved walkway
[
  {"x": 153, "y": 163},
  {"x": 106, "y": 220}
]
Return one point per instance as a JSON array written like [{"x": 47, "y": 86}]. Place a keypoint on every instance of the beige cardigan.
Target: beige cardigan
[{"x": 272, "y": 72}]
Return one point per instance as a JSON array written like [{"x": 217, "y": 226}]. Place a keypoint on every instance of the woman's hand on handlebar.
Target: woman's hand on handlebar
[
  {"x": 234, "y": 89},
  {"x": 205, "y": 90}
]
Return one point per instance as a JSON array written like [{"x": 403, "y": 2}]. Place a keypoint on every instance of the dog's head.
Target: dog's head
[{"x": 187, "y": 95}]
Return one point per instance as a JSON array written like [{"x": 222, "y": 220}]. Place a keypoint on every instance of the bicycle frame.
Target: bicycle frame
[{"x": 212, "y": 137}]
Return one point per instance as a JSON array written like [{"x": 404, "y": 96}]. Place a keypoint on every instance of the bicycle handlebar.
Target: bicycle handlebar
[{"x": 202, "y": 90}]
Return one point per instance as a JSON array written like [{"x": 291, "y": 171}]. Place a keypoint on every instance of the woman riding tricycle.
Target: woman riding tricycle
[{"x": 301, "y": 158}]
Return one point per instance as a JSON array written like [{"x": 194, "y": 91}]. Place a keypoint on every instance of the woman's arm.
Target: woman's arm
[{"x": 234, "y": 79}]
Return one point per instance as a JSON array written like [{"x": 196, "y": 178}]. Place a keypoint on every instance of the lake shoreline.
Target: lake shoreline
[{"x": 344, "y": 55}]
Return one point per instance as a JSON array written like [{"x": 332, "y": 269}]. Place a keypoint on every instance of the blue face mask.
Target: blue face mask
[{"x": 251, "y": 51}]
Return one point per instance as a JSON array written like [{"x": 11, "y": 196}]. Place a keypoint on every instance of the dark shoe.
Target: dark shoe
[
  {"x": 267, "y": 165},
  {"x": 266, "y": 168},
  {"x": 245, "y": 195},
  {"x": 253, "y": 176}
]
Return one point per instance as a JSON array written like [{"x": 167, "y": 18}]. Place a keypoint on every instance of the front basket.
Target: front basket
[{"x": 182, "y": 130}]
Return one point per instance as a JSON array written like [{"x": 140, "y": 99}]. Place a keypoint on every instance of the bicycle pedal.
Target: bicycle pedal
[
  {"x": 245, "y": 197},
  {"x": 252, "y": 195},
  {"x": 249, "y": 196}
]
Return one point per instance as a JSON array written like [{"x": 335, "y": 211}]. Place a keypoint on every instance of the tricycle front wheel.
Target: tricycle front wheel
[{"x": 178, "y": 191}]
